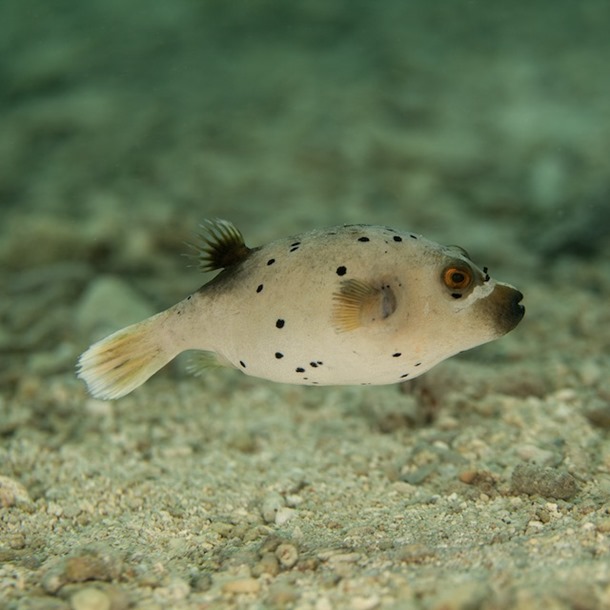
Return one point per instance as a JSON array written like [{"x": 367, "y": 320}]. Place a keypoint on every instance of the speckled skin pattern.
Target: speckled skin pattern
[
  {"x": 354, "y": 304},
  {"x": 272, "y": 315}
]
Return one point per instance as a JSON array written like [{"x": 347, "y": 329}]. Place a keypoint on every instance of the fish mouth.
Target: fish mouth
[
  {"x": 508, "y": 308},
  {"x": 518, "y": 309}
]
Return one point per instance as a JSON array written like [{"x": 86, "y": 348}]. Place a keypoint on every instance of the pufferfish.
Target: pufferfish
[{"x": 352, "y": 304}]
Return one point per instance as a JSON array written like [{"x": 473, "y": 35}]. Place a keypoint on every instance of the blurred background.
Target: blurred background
[{"x": 123, "y": 125}]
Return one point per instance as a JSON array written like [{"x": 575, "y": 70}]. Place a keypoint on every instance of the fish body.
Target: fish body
[{"x": 353, "y": 304}]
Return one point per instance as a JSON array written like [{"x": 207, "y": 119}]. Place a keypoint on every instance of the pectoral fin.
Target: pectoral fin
[{"x": 359, "y": 303}]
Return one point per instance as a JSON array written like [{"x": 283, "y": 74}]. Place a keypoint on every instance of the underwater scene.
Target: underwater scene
[{"x": 384, "y": 227}]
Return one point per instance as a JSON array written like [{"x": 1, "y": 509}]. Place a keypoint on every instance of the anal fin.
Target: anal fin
[{"x": 202, "y": 361}]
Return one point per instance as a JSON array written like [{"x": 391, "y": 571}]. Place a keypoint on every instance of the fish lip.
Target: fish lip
[
  {"x": 518, "y": 306},
  {"x": 508, "y": 309},
  {"x": 516, "y": 310}
]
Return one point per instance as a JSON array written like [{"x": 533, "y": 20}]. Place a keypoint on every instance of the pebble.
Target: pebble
[
  {"x": 12, "y": 493},
  {"x": 546, "y": 482},
  {"x": 90, "y": 599},
  {"x": 53, "y": 361},
  {"x": 536, "y": 455},
  {"x": 414, "y": 553},
  {"x": 109, "y": 303},
  {"x": 366, "y": 603},
  {"x": 272, "y": 502},
  {"x": 86, "y": 567},
  {"x": 283, "y": 515},
  {"x": 462, "y": 597},
  {"x": 16, "y": 541},
  {"x": 604, "y": 526},
  {"x": 177, "y": 590},
  {"x": 268, "y": 564},
  {"x": 287, "y": 555},
  {"x": 89, "y": 564},
  {"x": 242, "y": 585},
  {"x": 599, "y": 414},
  {"x": 281, "y": 595},
  {"x": 222, "y": 529}
]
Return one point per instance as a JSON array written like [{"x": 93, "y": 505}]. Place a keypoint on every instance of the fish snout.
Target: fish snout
[{"x": 508, "y": 309}]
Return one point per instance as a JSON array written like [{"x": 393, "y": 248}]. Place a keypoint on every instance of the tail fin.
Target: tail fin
[{"x": 123, "y": 361}]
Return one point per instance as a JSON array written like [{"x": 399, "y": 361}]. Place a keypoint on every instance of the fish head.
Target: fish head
[{"x": 462, "y": 306}]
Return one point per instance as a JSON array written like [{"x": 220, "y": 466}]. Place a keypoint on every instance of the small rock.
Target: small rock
[
  {"x": 12, "y": 493},
  {"x": 599, "y": 414},
  {"x": 462, "y": 597},
  {"x": 85, "y": 567},
  {"x": 92, "y": 563},
  {"x": 16, "y": 541},
  {"x": 604, "y": 526},
  {"x": 536, "y": 455},
  {"x": 287, "y": 554},
  {"x": 90, "y": 599},
  {"x": 242, "y": 585},
  {"x": 272, "y": 502},
  {"x": 366, "y": 603},
  {"x": 177, "y": 590},
  {"x": 44, "y": 602},
  {"x": 201, "y": 581},
  {"x": 53, "y": 361},
  {"x": 268, "y": 564},
  {"x": 222, "y": 529},
  {"x": 546, "y": 482},
  {"x": 414, "y": 553},
  {"x": 468, "y": 476},
  {"x": 283, "y": 515},
  {"x": 108, "y": 304},
  {"x": 281, "y": 595},
  {"x": 269, "y": 544}
]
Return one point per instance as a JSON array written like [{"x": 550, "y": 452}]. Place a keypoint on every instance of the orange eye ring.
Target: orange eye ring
[{"x": 457, "y": 278}]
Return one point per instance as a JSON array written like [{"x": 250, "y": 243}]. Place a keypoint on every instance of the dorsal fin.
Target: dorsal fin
[
  {"x": 359, "y": 303},
  {"x": 222, "y": 245}
]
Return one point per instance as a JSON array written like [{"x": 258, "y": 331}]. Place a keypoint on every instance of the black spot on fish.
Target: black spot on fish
[
  {"x": 242, "y": 363},
  {"x": 259, "y": 288},
  {"x": 314, "y": 364},
  {"x": 412, "y": 236},
  {"x": 342, "y": 270},
  {"x": 396, "y": 355},
  {"x": 404, "y": 376},
  {"x": 363, "y": 239},
  {"x": 271, "y": 261},
  {"x": 295, "y": 246},
  {"x": 417, "y": 364},
  {"x": 279, "y": 323},
  {"x": 299, "y": 370},
  {"x": 397, "y": 238},
  {"x": 456, "y": 295},
  {"x": 279, "y": 355}
]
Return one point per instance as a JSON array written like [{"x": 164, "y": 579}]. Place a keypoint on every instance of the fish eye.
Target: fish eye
[{"x": 457, "y": 278}]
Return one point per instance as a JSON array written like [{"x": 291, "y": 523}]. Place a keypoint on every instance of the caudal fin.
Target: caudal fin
[{"x": 124, "y": 360}]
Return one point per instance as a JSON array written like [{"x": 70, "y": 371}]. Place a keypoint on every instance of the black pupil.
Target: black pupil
[{"x": 457, "y": 277}]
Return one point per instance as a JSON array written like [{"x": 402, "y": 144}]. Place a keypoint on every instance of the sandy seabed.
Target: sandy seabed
[{"x": 484, "y": 484}]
